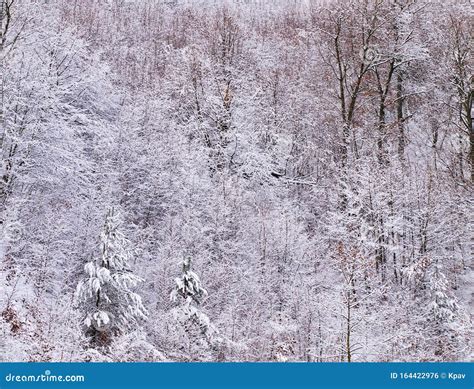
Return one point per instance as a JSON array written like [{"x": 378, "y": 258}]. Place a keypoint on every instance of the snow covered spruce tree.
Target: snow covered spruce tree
[
  {"x": 199, "y": 337},
  {"x": 106, "y": 293},
  {"x": 446, "y": 322},
  {"x": 188, "y": 286}
]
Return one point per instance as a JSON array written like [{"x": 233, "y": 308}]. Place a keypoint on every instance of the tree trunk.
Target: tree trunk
[{"x": 401, "y": 127}]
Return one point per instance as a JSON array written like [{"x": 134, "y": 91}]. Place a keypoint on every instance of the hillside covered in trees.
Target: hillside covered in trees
[{"x": 236, "y": 180}]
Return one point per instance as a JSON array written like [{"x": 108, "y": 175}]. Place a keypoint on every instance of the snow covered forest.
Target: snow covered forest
[{"x": 260, "y": 180}]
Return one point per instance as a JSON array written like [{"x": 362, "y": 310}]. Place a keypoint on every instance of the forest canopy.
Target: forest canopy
[{"x": 236, "y": 180}]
